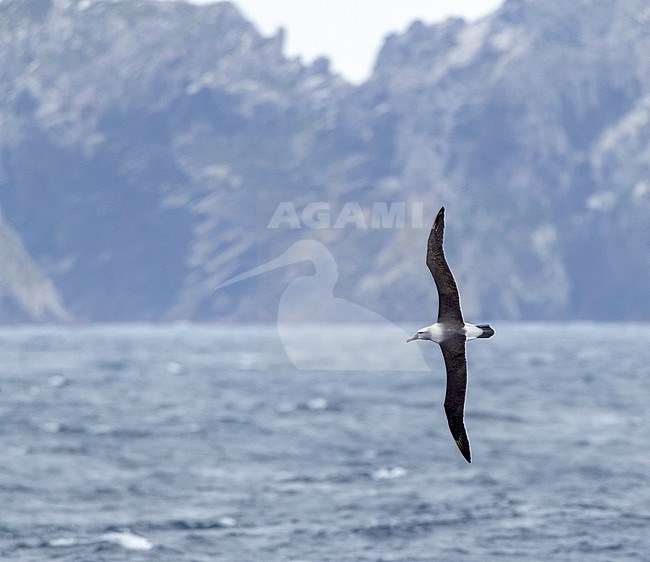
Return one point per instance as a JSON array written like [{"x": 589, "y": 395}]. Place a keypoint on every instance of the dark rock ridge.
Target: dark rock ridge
[{"x": 145, "y": 147}]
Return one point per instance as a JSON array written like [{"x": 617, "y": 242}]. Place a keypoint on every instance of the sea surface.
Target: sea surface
[{"x": 205, "y": 443}]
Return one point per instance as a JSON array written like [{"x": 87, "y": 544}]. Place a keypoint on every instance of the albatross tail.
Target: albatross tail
[{"x": 488, "y": 332}]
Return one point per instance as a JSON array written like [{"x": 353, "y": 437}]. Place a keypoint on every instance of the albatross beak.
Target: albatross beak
[{"x": 415, "y": 337}]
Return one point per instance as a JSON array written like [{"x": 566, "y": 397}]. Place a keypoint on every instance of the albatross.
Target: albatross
[{"x": 450, "y": 332}]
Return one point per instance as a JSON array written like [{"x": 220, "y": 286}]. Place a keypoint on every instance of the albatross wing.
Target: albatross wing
[
  {"x": 448, "y": 299},
  {"x": 453, "y": 351}
]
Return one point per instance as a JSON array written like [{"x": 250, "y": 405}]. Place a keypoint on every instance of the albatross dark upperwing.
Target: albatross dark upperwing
[
  {"x": 448, "y": 299},
  {"x": 453, "y": 350}
]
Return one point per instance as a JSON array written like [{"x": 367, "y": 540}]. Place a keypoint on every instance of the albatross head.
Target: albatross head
[
  {"x": 420, "y": 335},
  {"x": 435, "y": 333}
]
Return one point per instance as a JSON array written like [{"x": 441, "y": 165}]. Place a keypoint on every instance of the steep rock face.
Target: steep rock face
[
  {"x": 133, "y": 136},
  {"x": 25, "y": 292},
  {"x": 508, "y": 118},
  {"x": 145, "y": 147}
]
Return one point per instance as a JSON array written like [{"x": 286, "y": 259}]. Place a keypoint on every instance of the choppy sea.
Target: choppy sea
[{"x": 205, "y": 443}]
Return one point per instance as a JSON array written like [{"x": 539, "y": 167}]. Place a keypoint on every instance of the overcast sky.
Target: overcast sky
[{"x": 350, "y": 32}]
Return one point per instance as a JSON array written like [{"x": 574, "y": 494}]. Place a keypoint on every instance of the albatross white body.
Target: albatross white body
[{"x": 436, "y": 332}]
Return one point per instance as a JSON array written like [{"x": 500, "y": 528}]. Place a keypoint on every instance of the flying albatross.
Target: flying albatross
[{"x": 450, "y": 332}]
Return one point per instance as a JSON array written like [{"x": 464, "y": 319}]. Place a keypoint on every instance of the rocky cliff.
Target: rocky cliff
[{"x": 149, "y": 151}]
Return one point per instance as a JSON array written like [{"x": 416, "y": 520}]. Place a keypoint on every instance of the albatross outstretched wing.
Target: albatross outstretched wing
[
  {"x": 453, "y": 350},
  {"x": 448, "y": 299}
]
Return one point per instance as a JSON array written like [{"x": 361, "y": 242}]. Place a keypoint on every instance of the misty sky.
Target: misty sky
[{"x": 350, "y": 33}]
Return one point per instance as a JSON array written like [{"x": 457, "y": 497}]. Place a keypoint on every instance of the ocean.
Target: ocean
[{"x": 206, "y": 443}]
